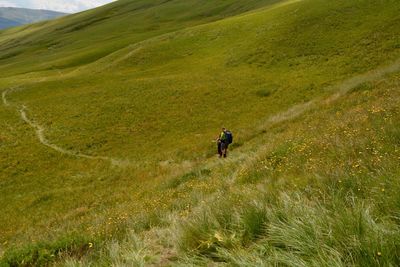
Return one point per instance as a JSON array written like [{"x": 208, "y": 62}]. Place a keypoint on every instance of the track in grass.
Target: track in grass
[
  {"x": 339, "y": 90},
  {"x": 39, "y": 130},
  {"x": 291, "y": 113},
  {"x": 4, "y": 97}
]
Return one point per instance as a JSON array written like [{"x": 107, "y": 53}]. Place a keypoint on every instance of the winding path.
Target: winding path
[
  {"x": 4, "y": 97},
  {"x": 40, "y": 130},
  {"x": 339, "y": 90},
  {"x": 297, "y": 110}
]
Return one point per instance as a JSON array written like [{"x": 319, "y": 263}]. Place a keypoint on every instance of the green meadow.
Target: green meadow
[{"x": 108, "y": 119}]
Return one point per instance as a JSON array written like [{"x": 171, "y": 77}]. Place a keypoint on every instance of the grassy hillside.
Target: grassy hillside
[
  {"x": 64, "y": 43},
  {"x": 11, "y": 16},
  {"x": 106, "y": 149}
]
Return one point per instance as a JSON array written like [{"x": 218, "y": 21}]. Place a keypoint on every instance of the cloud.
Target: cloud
[
  {"x": 70, "y": 6},
  {"x": 7, "y": 4}
]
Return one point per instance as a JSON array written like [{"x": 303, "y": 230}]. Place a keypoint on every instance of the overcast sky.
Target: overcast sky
[{"x": 69, "y": 6}]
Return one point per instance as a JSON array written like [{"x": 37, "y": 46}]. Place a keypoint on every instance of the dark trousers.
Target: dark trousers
[{"x": 222, "y": 149}]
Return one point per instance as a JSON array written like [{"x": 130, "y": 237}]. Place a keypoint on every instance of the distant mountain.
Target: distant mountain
[
  {"x": 10, "y": 16},
  {"x": 6, "y": 23}
]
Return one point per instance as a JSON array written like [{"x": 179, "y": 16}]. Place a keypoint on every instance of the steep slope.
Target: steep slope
[
  {"x": 101, "y": 140},
  {"x": 20, "y": 16},
  {"x": 132, "y": 90},
  {"x": 110, "y": 27}
]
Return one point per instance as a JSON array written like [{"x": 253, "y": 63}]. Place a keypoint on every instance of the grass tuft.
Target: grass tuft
[{"x": 43, "y": 253}]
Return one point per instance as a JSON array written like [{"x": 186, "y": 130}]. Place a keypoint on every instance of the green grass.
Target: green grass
[
  {"x": 306, "y": 183},
  {"x": 327, "y": 203},
  {"x": 43, "y": 253},
  {"x": 64, "y": 43},
  {"x": 23, "y": 16}
]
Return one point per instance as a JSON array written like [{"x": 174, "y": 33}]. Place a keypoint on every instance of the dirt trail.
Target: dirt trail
[
  {"x": 295, "y": 111},
  {"x": 40, "y": 130},
  {"x": 339, "y": 90},
  {"x": 4, "y": 97}
]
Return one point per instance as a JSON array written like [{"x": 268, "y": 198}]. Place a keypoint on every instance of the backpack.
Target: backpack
[{"x": 229, "y": 137}]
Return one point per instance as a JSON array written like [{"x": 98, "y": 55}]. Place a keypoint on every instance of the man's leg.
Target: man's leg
[{"x": 224, "y": 149}]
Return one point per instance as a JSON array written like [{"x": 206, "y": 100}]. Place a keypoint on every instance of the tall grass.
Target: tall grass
[{"x": 311, "y": 181}]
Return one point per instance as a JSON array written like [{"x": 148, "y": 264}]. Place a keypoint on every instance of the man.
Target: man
[{"x": 222, "y": 143}]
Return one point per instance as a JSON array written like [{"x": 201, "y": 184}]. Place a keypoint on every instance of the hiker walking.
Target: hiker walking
[{"x": 223, "y": 142}]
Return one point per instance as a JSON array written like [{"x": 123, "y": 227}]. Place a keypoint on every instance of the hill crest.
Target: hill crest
[{"x": 13, "y": 16}]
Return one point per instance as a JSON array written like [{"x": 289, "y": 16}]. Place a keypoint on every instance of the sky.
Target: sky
[{"x": 68, "y": 6}]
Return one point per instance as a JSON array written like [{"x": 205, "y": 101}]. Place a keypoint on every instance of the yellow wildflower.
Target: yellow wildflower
[{"x": 218, "y": 237}]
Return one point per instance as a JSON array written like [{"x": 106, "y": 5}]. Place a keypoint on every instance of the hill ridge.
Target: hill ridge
[
  {"x": 22, "y": 16},
  {"x": 136, "y": 46}
]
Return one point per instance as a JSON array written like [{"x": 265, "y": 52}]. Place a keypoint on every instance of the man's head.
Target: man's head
[{"x": 223, "y": 129}]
